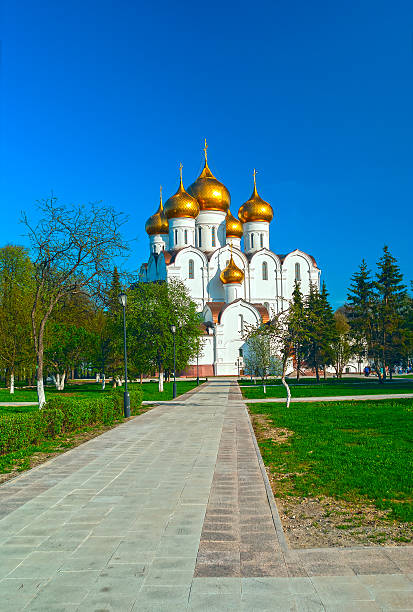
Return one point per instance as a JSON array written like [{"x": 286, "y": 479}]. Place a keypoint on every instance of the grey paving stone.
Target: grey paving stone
[
  {"x": 340, "y": 589},
  {"x": 38, "y": 565},
  {"x": 213, "y": 602}
]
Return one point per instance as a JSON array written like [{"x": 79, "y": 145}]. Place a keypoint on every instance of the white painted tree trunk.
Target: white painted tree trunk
[
  {"x": 61, "y": 381},
  {"x": 103, "y": 382},
  {"x": 40, "y": 393},
  {"x": 284, "y": 382},
  {"x": 118, "y": 381},
  {"x": 160, "y": 383},
  {"x": 97, "y": 376},
  {"x": 12, "y": 382}
]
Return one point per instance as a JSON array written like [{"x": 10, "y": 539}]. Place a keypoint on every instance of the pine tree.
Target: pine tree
[
  {"x": 328, "y": 330},
  {"x": 391, "y": 295},
  {"x": 298, "y": 325}
]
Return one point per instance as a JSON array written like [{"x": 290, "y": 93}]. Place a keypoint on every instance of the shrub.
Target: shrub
[{"x": 63, "y": 415}]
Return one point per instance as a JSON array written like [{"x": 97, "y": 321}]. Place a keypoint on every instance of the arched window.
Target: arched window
[
  {"x": 252, "y": 241},
  {"x": 176, "y": 237},
  {"x": 297, "y": 273},
  {"x": 240, "y": 323},
  {"x": 264, "y": 271},
  {"x": 191, "y": 268},
  {"x": 199, "y": 236},
  {"x": 213, "y": 236},
  {"x": 186, "y": 236},
  {"x": 261, "y": 240}
]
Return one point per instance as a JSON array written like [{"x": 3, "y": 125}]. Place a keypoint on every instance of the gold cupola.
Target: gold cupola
[
  {"x": 233, "y": 226},
  {"x": 157, "y": 223},
  {"x": 181, "y": 204},
  {"x": 231, "y": 274},
  {"x": 255, "y": 209},
  {"x": 210, "y": 193}
]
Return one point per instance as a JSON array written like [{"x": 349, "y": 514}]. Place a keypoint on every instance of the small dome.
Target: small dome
[
  {"x": 157, "y": 223},
  {"x": 255, "y": 209},
  {"x": 233, "y": 226},
  {"x": 231, "y": 274},
  {"x": 210, "y": 193},
  {"x": 181, "y": 204}
]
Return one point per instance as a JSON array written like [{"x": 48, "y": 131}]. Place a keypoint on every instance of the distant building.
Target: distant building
[{"x": 197, "y": 239}]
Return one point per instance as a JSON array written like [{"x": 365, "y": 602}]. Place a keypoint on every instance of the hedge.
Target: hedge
[{"x": 62, "y": 415}]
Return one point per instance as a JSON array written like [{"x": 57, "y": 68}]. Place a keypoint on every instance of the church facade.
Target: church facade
[{"x": 226, "y": 263}]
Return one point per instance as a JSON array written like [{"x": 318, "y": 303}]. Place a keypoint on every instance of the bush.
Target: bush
[{"x": 63, "y": 415}]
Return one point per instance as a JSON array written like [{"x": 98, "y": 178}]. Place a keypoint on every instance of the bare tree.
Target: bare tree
[{"x": 74, "y": 248}]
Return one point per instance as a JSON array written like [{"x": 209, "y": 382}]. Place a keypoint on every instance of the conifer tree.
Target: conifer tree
[
  {"x": 391, "y": 296},
  {"x": 361, "y": 305},
  {"x": 297, "y": 321}
]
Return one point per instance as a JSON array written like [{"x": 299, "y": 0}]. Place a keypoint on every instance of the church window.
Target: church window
[
  {"x": 186, "y": 236},
  {"x": 199, "y": 236},
  {"x": 264, "y": 271},
  {"x": 252, "y": 241},
  {"x": 261, "y": 240},
  {"x": 191, "y": 268},
  {"x": 241, "y": 323},
  {"x": 297, "y": 275},
  {"x": 213, "y": 236},
  {"x": 240, "y": 352},
  {"x": 176, "y": 237}
]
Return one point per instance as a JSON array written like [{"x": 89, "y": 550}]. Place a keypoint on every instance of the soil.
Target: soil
[
  {"x": 72, "y": 440},
  {"x": 319, "y": 522}
]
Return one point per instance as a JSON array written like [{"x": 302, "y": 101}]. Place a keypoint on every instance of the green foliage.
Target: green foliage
[
  {"x": 152, "y": 309},
  {"x": 63, "y": 415},
  {"x": 357, "y": 451},
  {"x": 380, "y": 314}
]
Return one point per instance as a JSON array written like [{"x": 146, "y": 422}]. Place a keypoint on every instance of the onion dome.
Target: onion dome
[
  {"x": 233, "y": 226},
  {"x": 157, "y": 223},
  {"x": 181, "y": 204},
  {"x": 210, "y": 193},
  {"x": 255, "y": 209},
  {"x": 231, "y": 274}
]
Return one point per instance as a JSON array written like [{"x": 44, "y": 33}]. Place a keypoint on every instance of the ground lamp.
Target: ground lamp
[
  {"x": 173, "y": 330},
  {"x": 126, "y": 398}
]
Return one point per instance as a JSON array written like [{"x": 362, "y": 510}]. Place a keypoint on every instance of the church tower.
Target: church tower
[
  {"x": 157, "y": 228},
  {"x": 181, "y": 210},
  {"x": 256, "y": 215}
]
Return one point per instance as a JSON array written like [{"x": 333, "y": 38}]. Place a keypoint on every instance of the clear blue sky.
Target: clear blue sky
[{"x": 101, "y": 100}]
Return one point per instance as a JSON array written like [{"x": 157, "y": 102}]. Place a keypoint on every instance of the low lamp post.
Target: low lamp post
[
  {"x": 126, "y": 398},
  {"x": 173, "y": 330}
]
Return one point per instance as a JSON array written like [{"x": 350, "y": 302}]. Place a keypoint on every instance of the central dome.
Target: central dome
[
  {"x": 231, "y": 274},
  {"x": 181, "y": 204},
  {"x": 210, "y": 193}
]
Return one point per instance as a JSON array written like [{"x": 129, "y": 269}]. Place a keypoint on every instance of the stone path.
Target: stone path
[
  {"x": 331, "y": 398},
  {"x": 171, "y": 511}
]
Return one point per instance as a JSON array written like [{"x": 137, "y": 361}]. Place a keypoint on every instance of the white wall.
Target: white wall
[
  {"x": 177, "y": 228},
  {"x": 260, "y": 230},
  {"x": 205, "y": 222}
]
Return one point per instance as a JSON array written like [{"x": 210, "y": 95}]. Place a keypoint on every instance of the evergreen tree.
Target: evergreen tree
[
  {"x": 327, "y": 332},
  {"x": 297, "y": 321},
  {"x": 391, "y": 296}
]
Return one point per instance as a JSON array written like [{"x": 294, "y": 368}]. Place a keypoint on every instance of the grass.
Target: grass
[
  {"x": 150, "y": 392},
  {"x": 355, "y": 451},
  {"x": 330, "y": 387}
]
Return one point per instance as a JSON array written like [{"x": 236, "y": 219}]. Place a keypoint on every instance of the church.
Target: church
[{"x": 226, "y": 263}]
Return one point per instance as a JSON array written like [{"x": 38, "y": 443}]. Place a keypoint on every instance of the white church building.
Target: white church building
[{"x": 226, "y": 263}]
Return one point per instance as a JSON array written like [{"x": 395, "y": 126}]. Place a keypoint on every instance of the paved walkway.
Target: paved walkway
[
  {"x": 172, "y": 511},
  {"x": 332, "y": 398}
]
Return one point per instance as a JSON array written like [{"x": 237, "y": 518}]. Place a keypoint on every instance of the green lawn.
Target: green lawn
[
  {"x": 150, "y": 392},
  {"x": 357, "y": 451},
  {"x": 310, "y": 388}
]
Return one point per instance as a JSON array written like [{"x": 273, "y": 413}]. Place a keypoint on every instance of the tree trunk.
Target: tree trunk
[
  {"x": 97, "y": 377},
  {"x": 298, "y": 365},
  {"x": 324, "y": 372},
  {"x": 141, "y": 378},
  {"x": 317, "y": 374},
  {"x": 284, "y": 382},
  {"x": 160, "y": 383},
  {"x": 103, "y": 382},
  {"x": 41, "y": 398},
  {"x": 12, "y": 382}
]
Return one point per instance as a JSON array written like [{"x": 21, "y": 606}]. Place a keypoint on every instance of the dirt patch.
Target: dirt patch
[
  {"x": 266, "y": 431},
  {"x": 324, "y": 521}
]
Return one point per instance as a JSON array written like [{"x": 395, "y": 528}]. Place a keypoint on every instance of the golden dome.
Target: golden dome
[
  {"x": 231, "y": 274},
  {"x": 210, "y": 193},
  {"x": 181, "y": 204},
  {"x": 157, "y": 223},
  {"x": 234, "y": 227},
  {"x": 255, "y": 209}
]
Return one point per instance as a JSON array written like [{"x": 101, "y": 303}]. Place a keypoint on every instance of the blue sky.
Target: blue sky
[{"x": 101, "y": 100}]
